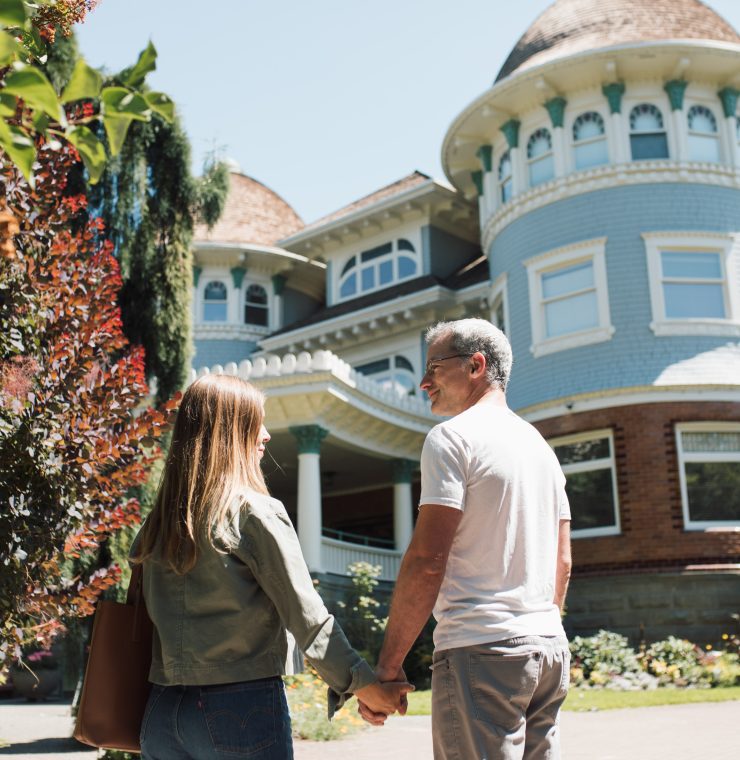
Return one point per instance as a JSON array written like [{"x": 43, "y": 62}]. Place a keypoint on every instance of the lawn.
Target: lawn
[{"x": 420, "y": 702}]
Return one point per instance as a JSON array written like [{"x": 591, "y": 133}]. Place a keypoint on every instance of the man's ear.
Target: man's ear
[{"x": 479, "y": 363}]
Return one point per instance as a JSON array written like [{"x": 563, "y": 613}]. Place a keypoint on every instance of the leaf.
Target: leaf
[
  {"x": 8, "y": 104},
  {"x": 122, "y": 102},
  {"x": 85, "y": 83},
  {"x": 8, "y": 48},
  {"x": 12, "y": 13},
  {"x": 19, "y": 146},
  {"x": 134, "y": 76},
  {"x": 116, "y": 128},
  {"x": 91, "y": 149},
  {"x": 30, "y": 84},
  {"x": 162, "y": 104}
]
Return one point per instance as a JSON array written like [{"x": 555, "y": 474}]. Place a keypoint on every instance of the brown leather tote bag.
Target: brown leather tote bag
[{"x": 116, "y": 687}]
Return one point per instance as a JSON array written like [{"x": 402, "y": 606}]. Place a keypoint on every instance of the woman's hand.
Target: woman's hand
[{"x": 382, "y": 699}]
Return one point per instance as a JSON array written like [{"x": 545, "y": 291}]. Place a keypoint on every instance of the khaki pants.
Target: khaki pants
[{"x": 500, "y": 701}]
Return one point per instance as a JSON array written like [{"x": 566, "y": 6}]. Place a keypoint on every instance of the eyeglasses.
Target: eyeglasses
[{"x": 431, "y": 366}]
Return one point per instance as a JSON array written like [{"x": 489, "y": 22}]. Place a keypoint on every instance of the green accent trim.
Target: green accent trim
[
  {"x": 278, "y": 284},
  {"x": 728, "y": 96},
  {"x": 511, "y": 133},
  {"x": 556, "y": 108},
  {"x": 675, "y": 89},
  {"x": 309, "y": 438},
  {"x": 613, "y": 93},
  {"x": 477, "y": 178},
  {"x": 485, "y": 155},
  {"x": 237, "y": 275},
  {"x": 196, "y": 275},
  {"x": 403, "y": 470}
]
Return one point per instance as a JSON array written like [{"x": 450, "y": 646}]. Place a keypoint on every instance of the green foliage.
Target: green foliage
[
  {"x": 307, "y": 703},
  {"x": 675, "y": 661},
  {"x": 211, "y": 191},
  {"x": 605, "y": 659},
  {"x": 361, "y": 615}
]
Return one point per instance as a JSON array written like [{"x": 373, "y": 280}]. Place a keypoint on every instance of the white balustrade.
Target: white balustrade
[{"x": 336, "y": 555}]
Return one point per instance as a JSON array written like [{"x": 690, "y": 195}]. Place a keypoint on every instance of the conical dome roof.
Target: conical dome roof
[
  {"x": 253, "y": 214},
  {"x": 575, "y": 26}
]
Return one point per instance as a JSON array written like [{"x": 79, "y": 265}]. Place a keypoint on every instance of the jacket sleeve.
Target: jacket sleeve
[{"x": 269, "y": 547}]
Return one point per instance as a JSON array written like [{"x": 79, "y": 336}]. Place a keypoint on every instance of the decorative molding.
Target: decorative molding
[
  {"x": 510, "y": 131},
  {"x": 278, "y": 284},
  {"x": 403, "y": 470},
  {"x": 309, "y": 438},
  {"x": 728, "y": 96},
  {"x": 613, "y": 93},
  {"x": 604, "y": 178},
  {"x": 696, "y": 327},
  {"x": 237, "y": 276},
  {"x": 556, "y": 108},
  {"x": 485, "y": 156},
  {"x": 566, "y": 251},
  {"x": 196, "y": 275},
  {"x": 477, "y": 178},
  {"x": 675, "y": 90},
  {"x": 221, "y": 331}
]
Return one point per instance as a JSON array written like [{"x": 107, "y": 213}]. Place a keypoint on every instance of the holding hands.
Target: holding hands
[{"x": 386, "y": 696}]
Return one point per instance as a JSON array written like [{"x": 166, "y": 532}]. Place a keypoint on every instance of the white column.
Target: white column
[
  {"x": 403, "y": 523},
  {"x": 620, "y": 142},
  {"x": 733, "y": 150},
  {"x": 681, "y": 134},
  {"x": 309, "y": 439},
  {"x": 518, "y": 172},
  {"x": 559, "y": 151}
]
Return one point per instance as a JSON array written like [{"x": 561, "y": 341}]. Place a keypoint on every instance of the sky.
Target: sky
[{"x": 323, "y": 101}]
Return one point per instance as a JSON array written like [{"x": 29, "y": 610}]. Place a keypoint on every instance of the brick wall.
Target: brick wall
[{"x": 652, "y": 533}]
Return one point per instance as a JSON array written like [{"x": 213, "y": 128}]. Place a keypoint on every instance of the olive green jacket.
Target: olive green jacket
[{"x": 225, "y": 620}]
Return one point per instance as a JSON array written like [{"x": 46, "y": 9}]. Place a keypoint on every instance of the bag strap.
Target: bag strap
[{"x": 135, "y": 598}]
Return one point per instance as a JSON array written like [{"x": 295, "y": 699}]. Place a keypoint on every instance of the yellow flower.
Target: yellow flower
[
  {"x": 708, "y": 647},
  {"x": 725, "y": 637}
]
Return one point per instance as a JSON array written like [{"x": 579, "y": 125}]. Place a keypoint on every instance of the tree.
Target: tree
[{"x": 74, "y": 439}]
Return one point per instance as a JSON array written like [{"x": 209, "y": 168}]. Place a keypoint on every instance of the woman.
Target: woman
[{"x": 224, "y": 578}]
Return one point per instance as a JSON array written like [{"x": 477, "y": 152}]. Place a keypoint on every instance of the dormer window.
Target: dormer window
[
  {"x": 504, "y": 177},
  {"x": 395, "y": 372},
  {"x": 215, "y": 302},
  {"x": 589, "y": 140},
  {"x": 703, "y": 135},
  {"x": 255, "y": 306},
  {"x": 539, "y": 157},
  {"x": 647, "y": 133},
  {"x": 378, "y": 268}
]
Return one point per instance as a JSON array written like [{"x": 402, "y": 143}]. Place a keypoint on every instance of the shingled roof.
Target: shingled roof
[
  {"x": 253, "y": 214},
  {"x": 575, "y": 26}
]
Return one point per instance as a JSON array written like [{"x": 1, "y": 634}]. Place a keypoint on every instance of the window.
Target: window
[
  {"x": 255, "y": 306},
  {"x": 395, "y": 372},
  {"x": 709, "y": 472},
  {"x": 504, "y": 177},
  {"x": 569, "y": 302},
  {"x": 647, "y": 134},
  {"x": 590, "y": 482},
  {"x": 737, "y": 128},
  {"x": 589, "y": 140},
  {"x": 499, "y": 304},
  {"x": 539, "y": 157},
  {"x": 215, "y": 302},
  {"x": 689, "y": 275},
  {"x": 377, "y": 268},
  {"x": 703, "y": 135}
]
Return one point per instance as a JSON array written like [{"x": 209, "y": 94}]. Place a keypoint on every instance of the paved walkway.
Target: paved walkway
[{"x": 679, "y": 732}]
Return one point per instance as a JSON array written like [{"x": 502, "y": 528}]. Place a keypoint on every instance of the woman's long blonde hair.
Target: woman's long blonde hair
[{"x": 213, "y": 456}]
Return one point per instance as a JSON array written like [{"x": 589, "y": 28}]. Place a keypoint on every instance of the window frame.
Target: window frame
[
  {"x": 596, "y": 464},
  {"x": 264, "y": 306},
  {"x": 547, "y": 155},
  {"x": 727, "y": 245},
  {"x": 716, "y": 135},
  {"x": 390, "y": 374},
  {"x": 205, "y": 302},
  {"x": 507, "y": 183},
  {"x": 683, "y": 457},
  {"x": 499, "y": 294},
  {"x": 664, "y": 131},
  {"x": 602, "y": 138},
  {"x": 359, "y": 267},
  {"x": 561, "y": 258}
]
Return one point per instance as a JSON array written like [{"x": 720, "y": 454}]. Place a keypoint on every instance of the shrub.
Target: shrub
[
  {"x": 606, "y": 660},
  {"x": 361, "y": 613},
  {"x": 675, "y": 662}
]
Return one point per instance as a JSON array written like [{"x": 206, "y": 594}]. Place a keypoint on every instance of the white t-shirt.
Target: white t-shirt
[{"x": 500, "y": 576}]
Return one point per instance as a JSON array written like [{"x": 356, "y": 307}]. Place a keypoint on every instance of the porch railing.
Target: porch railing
[{"x": 336, "y": 555}]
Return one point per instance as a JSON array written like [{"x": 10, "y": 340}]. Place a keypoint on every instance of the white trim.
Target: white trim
[
  {"x": 591, "y": 466},
  {"x": 224, "y": 331},
  {"x": 606, "y": 177},
  {"x": 587, "y": 250},
  {"x": 684, "y": 457},
  {"x": 499, "y": 289},
  {"x": 609, "y": 399},
  {"x": 727, "y": 245}
]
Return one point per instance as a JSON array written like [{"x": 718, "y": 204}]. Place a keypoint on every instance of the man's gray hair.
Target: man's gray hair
[{"x": 469, "y": 336}]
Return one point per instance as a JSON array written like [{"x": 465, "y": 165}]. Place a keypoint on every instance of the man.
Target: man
[{"x": 491, "y": 554}]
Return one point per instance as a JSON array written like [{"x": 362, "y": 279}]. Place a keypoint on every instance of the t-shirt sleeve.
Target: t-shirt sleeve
[
  {"x": 563, "y": 503},
  {"x": 444, "y": 469}
]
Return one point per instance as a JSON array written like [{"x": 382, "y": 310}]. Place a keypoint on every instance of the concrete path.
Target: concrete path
[{"x": 679, "y": 732}]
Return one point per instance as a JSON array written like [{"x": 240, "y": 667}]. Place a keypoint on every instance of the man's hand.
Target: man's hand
[
  {"x": 377, "y": 718},
  {"x": 379, "y": 700}
]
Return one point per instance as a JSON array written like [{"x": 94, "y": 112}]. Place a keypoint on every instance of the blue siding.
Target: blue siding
[
  {"x": 634, "y": 356},
  {"x": 210, "y": 352}
]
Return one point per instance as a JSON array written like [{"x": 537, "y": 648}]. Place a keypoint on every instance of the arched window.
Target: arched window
[
  {"x": 378, "y": 267},
  {"x": 539, "y": 157},
  {"x": 504, "y": 177},
  {"x": 703, "y": 134},
  {"x": 395, "y": 372},
  {"x": 647, "y": 133},
  {"x": 589, "y": 140},
  {"x": 215, "y": 302},
  {"x": 255, "y": 306}
]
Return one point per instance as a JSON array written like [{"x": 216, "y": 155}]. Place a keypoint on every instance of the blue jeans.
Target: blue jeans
[{"x": 248, "y": 719}]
